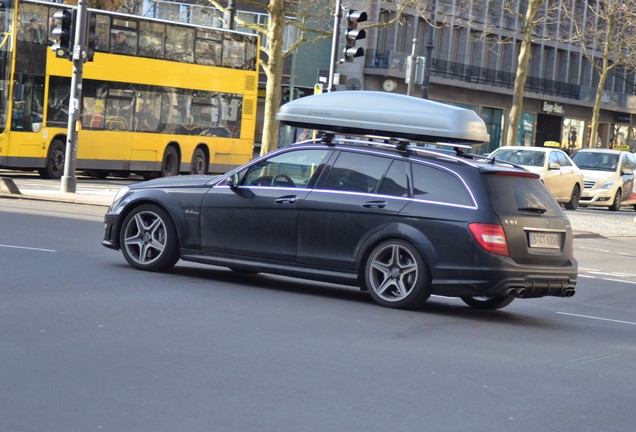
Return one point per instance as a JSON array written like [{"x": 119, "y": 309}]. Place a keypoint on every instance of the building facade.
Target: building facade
[{"x": 473, "y": 49}]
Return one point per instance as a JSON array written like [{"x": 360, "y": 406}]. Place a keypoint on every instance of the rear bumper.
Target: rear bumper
[{"x": 531, "y": 282}]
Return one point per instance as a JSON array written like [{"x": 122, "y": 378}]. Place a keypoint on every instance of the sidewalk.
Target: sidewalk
[{"x": 82, "y": 195}]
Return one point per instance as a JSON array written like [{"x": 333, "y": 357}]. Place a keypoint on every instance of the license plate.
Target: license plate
[{"x": 545, "y": 240}]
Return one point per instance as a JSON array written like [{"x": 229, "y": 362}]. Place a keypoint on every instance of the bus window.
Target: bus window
[
  {"x": 28, "y": 106},
  {"x": 94, "y": 102},
  {"x": 151, "y": 39},
  {"x": 234, "y": 51},
  {"x": 102, "y": 30},
  {"x": 32, "y": 24},
  {"x": 59, "y": 93},
  {"x": 123, "y": 36},
  {"x": 119, "y": 107},
  {"x": 208, "y": 48},
  {"x": 147, "y": 111},
  {"x": 179, "y": 43}
]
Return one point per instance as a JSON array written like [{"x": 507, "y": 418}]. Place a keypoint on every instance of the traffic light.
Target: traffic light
[
  {"x": 64, "y": 33},
  {"x": 350, "y": 34},
  {"x": 91, "y": 32}
]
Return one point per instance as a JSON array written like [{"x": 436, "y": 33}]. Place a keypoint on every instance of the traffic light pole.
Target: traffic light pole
[
  {"x": 334, "y": 43},
  {"x": 69, "y": 181}
]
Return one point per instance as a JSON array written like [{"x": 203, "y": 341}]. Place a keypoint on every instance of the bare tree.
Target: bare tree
[
  {"x": 605, "y": 31},
  {"x": 531, "y": 20},
  {"x": 312, "y": 18}
]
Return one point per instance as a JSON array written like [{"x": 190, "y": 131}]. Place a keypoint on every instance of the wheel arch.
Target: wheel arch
[
  {"x": 160, "y": 199},
  {"x": 399, "y": 231}
]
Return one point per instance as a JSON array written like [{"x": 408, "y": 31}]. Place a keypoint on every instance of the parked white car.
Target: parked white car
[
  {"x": 558, "y": 172},
  {"x": 609, "y": 177}
]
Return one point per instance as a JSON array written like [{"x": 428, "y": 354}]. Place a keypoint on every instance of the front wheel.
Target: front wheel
[
  {"x": 54, "y": 165},
  {"x": 488, "y": 303},
  {"x": 396, "y": 275},
  {"x": 148, "y": 239},
  {"x": 616, "y": 205},
  {"x": 573, "y": 204}
]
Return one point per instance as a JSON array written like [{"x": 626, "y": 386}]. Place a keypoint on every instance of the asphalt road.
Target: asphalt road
[{"x": 88, "y": 343}]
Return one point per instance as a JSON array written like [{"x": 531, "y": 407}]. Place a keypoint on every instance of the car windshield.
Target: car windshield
[
  {"x": 596, "y": 161},
  {"x": 520, "y": 157}
]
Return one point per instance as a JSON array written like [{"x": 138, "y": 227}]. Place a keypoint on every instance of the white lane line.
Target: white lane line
[
  {"x": 27, "y": 248},
  {"x": 597, "y": 318},
  {"x": 604, "y": 276}
]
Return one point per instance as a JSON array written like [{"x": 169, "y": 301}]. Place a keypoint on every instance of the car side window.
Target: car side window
[
  {"x": 290, "y": 169},
  {"x": 436, "y": 185},
  {"x": 562, "y": 159},
  {"x": 395, "y": 182},
  {"x": 554, "y": 158},
  {"x": 356, "y": 172}
]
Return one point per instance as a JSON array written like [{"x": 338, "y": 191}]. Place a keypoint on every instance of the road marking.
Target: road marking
[
  {"x": 604, "y": 276},
  {"x": 27, "y": 248},
  {"x": 597, "y": 318}
]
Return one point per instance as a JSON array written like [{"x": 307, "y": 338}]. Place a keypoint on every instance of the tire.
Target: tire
[
  {"x": 488, "y": 303},
  {"x": 616, "y": 205},
  {"x": 170, "y": 163},
  {"x": 396, "y": 275},
  {"x": 199, "y": 165},
  {"x": 573, "y": 204},
  {"x": 148, "y": 239},
  {"x": 54, "y": 165}
]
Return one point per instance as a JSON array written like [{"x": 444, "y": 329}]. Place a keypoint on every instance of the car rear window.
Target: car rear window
[
  {"x": 512, "y": 193},
  {"x": 435, "y": 185}
]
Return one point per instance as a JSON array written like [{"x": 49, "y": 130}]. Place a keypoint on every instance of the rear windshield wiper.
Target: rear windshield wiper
[{"x": 540, "y": 210}]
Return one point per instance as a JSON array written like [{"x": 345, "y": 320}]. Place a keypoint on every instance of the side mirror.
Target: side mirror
[
  {"x": 554, "y": 166},
  {"x": 627, "y": 171},
  {"x": 233, "y": 181}
]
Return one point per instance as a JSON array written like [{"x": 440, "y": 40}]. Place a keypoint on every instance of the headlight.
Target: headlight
[
  {"x": 607, "y": 184},
  {"x": 120, "y": 193}
]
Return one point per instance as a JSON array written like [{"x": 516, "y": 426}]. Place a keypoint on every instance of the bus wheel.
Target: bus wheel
[
  {"x": 199, "y": 163},
  {"x": 54, "y": 167},
  {"x": 170, "y": 164}
]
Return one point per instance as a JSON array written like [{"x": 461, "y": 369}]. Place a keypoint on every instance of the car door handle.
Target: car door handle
[
  {"x": 374, "y": 204},
  {"x": 286, "y": 199}
]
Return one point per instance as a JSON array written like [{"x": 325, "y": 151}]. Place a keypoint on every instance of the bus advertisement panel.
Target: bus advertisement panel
[{"x": 159, "y": 98}]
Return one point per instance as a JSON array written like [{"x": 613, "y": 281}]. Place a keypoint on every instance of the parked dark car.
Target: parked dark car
[{"x": 400, "y": 221}]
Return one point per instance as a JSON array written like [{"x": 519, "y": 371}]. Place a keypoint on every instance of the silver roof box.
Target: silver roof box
[{"x": 384, "y": 114}]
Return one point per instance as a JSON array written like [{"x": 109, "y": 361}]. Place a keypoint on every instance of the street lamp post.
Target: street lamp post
[{"x": 429, "y": 51}]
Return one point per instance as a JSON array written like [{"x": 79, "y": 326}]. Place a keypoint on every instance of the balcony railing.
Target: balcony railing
[{"x": 394, "y": 63}]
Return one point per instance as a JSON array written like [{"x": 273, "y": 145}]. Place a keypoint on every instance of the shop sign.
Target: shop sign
[{"x": 552, "y": 108}]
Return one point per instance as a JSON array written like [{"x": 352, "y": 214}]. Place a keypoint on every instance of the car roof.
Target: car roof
[
  {"x": 601, "y": 150},
  {"x": 385, "y": 115},
  {"x": 529, "y": 148}
]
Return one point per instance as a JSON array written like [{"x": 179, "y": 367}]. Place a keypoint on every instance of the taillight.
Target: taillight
[{"x": 490, "y": 237}]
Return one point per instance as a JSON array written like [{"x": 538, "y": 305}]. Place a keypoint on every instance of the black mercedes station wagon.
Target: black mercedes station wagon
[{"x": 387, "y": 198}]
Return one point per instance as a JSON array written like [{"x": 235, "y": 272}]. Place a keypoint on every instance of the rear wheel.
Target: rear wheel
[
  {"x": 54, "y": 165},
  {"x": 170, "y": 163},
  {"x": 488, "y": 303},
  {"x": 396, "y": 275},
  {"x": 148, "y": 239},
  {"x": 199, "y": 163},
  {"x": 616, "y": 205},
  {"x": 573, "y": 204}
]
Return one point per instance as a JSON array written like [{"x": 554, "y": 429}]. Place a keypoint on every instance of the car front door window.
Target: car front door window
[{"x": 287, "y": 170}]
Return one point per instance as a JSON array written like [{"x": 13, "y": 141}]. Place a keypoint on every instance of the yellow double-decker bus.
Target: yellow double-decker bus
[{"x": 158, "y": 99}]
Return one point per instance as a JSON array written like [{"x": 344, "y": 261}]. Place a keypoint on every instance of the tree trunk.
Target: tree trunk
[
  {"x": 525, "y": 53},
  {"x": 274, "y": 72}
]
